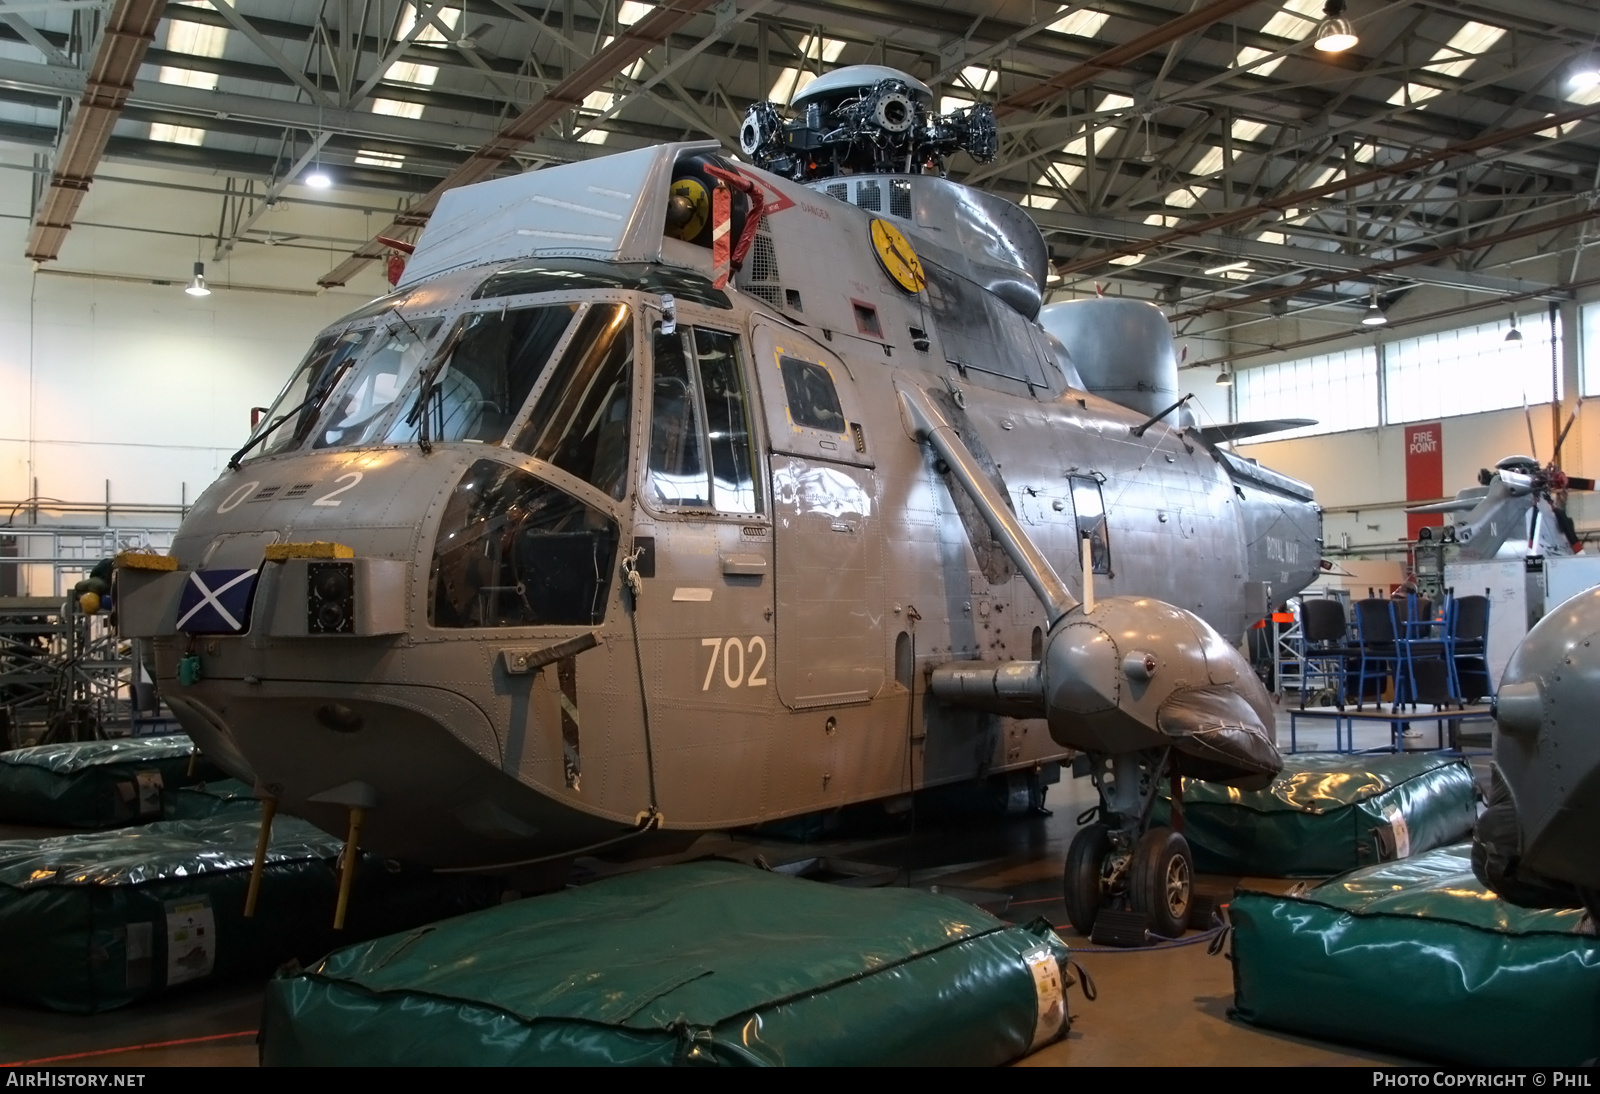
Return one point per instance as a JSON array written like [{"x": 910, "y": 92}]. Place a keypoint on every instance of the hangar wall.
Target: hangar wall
[{"x": 132, "y": 382}]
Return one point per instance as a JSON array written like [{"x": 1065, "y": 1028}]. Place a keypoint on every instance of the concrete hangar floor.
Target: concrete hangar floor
[{"x": 1165, "y": 1007}]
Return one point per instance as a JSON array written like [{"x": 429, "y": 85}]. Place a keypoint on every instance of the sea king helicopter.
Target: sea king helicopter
[{"x": 672, "y": 492}]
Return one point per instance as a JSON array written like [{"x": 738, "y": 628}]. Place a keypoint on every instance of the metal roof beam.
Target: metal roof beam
[
  {"x": 630, "y": 44},
  {"x": 1280, "y": 254},
  {"x": 129, "y": 28},
  {"x": 1304, "y": 197}
]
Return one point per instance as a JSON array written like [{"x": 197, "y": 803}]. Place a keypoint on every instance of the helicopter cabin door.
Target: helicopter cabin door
[{"x": 826, "y": 530}]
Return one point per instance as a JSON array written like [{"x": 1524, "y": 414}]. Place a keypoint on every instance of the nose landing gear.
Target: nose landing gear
[{"x": 1120, "y": 864}]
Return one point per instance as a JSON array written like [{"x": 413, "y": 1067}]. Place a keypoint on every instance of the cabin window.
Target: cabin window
[
  {"x": 493, "y": 361},
  {"x": 580, "y": 421},
  {"x": 357, "y": 412},
  {"x": 515, "y": 551},
  {"x": 1091, "y": 510},
  {"x": 309, "y": 387},
  {"x": 701, "y": 455},
  {"x": 813, "y": 400}
]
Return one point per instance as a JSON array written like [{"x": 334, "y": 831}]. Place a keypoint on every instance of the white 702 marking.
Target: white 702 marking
[{"x": 733, "y": 676}]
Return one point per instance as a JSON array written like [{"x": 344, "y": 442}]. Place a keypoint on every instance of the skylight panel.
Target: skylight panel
[
  {"x": 176, "y": 134},
  {"x": 1082, "y": 23},
  {"x": 631, "y": 11},
  {"x": 1163, "y": 220},
  {"x": 1453, "y": 60},
  {"x": 372, "y": 158},
  {"x": 396, "y": 108},
  {"x": 979, "y": 77},
  {"x": 1186, "y": 197},
  {"x": 1277, "y": 239},
  {"x": 1291, "y": 21},
  {"x": 1209, "y": 163},
  {"x": 1065, "y": 174},
  {"x": 792, "y": 81},
  {"x": 199, "y": 40},
  {"x": 429, "y": 33},
  {"x": 1294, "y": 21}
]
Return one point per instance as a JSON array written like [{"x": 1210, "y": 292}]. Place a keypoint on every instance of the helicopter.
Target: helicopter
[
  {"x": 1519, "y": 497},
  {"x": 670, "y": 492}
]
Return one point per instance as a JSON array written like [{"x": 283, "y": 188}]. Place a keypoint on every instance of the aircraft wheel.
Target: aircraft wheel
[
  {"x": 1081, "y": 884},
  {"x": 1161, "y": 881}
]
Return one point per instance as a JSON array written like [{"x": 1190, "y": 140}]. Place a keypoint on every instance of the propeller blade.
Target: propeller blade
[
  {"x": 1556, "y": 459},
  {"x": 1455, "y": 505},
  {"x": 1579, "y": 484},
  {"x": 1234, "y": 431},
  {"x": 1533, "y": 445}
]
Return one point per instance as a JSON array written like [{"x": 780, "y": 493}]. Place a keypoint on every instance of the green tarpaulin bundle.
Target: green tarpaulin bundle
[
  {"x": 1327, "y": 813},
  {"x": 1419, "y": 958},
  {"x": 97, "y": 784},
  {"x": 97, "y": 920},
  {"x": 707, "y": 962}
]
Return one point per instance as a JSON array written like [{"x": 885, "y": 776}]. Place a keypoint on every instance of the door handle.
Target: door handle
[{"x": 743, "y": 565}]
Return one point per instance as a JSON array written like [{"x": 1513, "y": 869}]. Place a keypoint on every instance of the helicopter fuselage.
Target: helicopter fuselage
[{"x": 681, "y": 562}]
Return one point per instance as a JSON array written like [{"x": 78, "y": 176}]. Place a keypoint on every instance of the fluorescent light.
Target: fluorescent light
[{"x": 1240, "y": 265}]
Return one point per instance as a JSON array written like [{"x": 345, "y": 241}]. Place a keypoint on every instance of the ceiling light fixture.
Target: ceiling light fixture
[
  {"x": 1585, "y": 74},
  {"x": 1374, "y": 316},
  {"x": 197, "y": 284},
  {"x": 1334, "y": 34},
  {"x": 1513, "y": 335},
  {"x": 1225, "y": 377},
  {"x": 1243, "y": 264},
  {"x": 318, "y": 179}
]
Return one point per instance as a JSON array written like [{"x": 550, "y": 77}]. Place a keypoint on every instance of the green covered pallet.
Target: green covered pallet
[
  {"x": 98, "y": 920},
  {"x": 1419, "y": 958},
  {"x": 709, "y": 962},
  {"x": 1327, "y": 813},
  {"x": 97, "y": 784}
]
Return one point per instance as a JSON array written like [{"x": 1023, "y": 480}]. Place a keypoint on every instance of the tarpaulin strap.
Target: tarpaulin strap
[
  {"x": 1220, "y": 941},
  {"x": 758, "y": 209},
  {"x": 1090, "y": 992}
]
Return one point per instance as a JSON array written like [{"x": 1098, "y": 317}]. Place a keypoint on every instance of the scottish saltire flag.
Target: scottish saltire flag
[{"x": 216, "y": 601}]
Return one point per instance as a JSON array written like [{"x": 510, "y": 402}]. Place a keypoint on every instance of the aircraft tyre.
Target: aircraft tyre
[
  {"x": 1081, "y": 885},
  {"x": 1161, "y": 881}
]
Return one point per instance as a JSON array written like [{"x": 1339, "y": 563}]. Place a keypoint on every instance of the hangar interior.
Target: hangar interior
[{"x": 191, "y": 189}]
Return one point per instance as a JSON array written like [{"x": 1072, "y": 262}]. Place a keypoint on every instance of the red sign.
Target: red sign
[{"x": 1424, "y": 473}]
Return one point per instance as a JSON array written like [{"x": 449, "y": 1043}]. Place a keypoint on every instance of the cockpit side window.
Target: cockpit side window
[
  {"x": 813, "y": 400},
  {"x": 580, "y": 421},
  {"x": 515, "y": 551},
  {"x": 706, "y": 385},
  {"x": 1091, "y": 510},
  {"x": 495, "y": 360},
  {"x": 357, "y": 413},
  {"x": 677, "y": 466},
  {"x": 294, "y": 413}
]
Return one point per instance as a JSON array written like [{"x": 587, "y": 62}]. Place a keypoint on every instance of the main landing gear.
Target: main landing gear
[{"x": 1131, "y": 879}]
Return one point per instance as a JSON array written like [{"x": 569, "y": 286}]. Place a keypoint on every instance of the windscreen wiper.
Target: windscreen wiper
[
  {"x": 318, "y": 393},
  {"x": 418, "y": 416}
]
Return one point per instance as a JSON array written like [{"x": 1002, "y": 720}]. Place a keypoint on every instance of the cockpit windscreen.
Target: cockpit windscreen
[
  {"x": 356, "y": 415},
  {"x": 495, "y": 360},
  {"x": 294, "y": 412}
]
